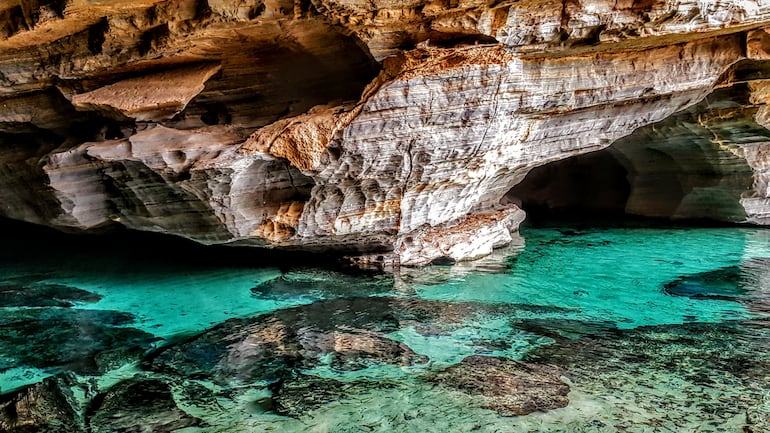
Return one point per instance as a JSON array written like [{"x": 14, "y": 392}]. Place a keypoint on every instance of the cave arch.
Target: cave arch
[
  {"x": 690, "y": 166},
  {"x": 583, "y": 186}
]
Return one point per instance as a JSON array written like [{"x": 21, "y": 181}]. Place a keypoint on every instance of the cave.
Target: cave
[
  {"x": 586, "y": 186},
  {"x": 691, "y": 167},
  {"x": 623, "y": 183}
]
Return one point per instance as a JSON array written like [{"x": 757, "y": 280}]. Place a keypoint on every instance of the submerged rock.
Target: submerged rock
[
  {"x": 46, "y": 407},
  {"x": 725, "y": 284},
  {"x": 349, "y": 334},
  {"x": 757, "y": 270},
  {"x": 138, "y": 405},
  {"x": 43, "y": 295},
  {"x": 721, "y": 366},
  {"x": 509, "y": 387},
  {"x": 269, "y": 347},
  {"x": 299, "y": 395},
  {"x": 71, "y": 339},
  {"x": 565, "y": 328},
  {"x": 693, "y": 350},
  {"x": 758, "y": 419},
  {"x": 320, "y": 284}
]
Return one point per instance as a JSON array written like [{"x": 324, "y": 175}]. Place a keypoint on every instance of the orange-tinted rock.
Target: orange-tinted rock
[{"x": 153, "y": 97}]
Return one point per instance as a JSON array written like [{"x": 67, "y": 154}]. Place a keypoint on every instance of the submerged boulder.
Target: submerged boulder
[
  {"x": 348, "y": 334},
  {"x": 138, "y": 405},
  {"x": 726, "y": 284},
  {"x": 46, "y": 407},
  {"x": 299, "y": 395},
  {"x": 509, "y": 387},
  {"x": 321, "y": 284},
  {"x": 558, "y": 329},
  {"x": 13, "y": 294},
  {"x": 71, "y": 339}
]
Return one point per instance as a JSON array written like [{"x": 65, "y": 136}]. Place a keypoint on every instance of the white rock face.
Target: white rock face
[
  {"x": 435, "y": 148},
  {"x": 256, "y": 133}
]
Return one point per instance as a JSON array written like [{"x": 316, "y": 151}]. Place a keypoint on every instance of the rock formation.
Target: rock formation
[
  {"x": 148, "y": 400},
  {"x": 509, "y": 387},
  {"x": 48, "y": 406},
  {"x": 393, "y": 131}
]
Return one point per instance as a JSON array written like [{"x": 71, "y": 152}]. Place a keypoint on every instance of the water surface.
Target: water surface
[{"x": 649, "y": 329}]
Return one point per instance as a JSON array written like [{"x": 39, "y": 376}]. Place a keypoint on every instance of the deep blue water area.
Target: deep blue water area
[{"x": 605, "y": 329}]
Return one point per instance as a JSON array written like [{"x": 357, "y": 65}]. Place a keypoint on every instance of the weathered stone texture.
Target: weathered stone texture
[{"x": 392, "y": 128}]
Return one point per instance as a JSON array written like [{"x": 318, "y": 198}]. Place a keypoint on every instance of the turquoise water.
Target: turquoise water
[{"x": 649, "y": 329}]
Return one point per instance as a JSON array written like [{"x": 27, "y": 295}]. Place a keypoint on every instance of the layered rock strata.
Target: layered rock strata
[
  {"x": 392, "y": 130},
  {"x": 705, "y": 162}
]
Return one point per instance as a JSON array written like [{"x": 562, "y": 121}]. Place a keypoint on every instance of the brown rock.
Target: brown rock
[
  {"x": 139, "y": 405},
  {"x": 152, "y": 97},
  {"x": 758, "y": 44},
  {"x": 509, "y": 387},
  {"x": 384, "y": 128}
]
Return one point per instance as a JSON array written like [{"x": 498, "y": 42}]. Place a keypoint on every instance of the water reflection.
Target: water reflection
[{"x": 622, "y": 329}]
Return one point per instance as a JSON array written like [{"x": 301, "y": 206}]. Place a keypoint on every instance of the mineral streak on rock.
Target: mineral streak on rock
[{"x": 391, "y": 130}]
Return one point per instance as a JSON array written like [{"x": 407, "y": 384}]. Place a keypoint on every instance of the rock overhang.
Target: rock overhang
[{"x": 394, "y": 128}]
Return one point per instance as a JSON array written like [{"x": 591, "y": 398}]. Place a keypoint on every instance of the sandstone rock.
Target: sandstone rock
[
  {"x": 705, "y": 162},
  {"x": 451, "y": 241},
  {"x": 758, "y": 45},
  {"x": 152, "y": 97},
  {"x": 391, "y": 130},
  {"x": 509, "y": 387}
]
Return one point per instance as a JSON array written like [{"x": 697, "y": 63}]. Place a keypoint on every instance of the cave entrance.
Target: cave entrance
[
  {"x": 673, "y": 170},
  {"x": 695, "y": 165},
  {"x": 589, "y": 186}
]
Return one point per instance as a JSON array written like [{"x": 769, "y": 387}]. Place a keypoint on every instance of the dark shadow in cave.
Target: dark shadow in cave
[
  {"x": 25, "y": 242},
  {"x": 696, "y": 182},
  {"x": 690, "y": 167},
  {"x": 590, "y": 186}
]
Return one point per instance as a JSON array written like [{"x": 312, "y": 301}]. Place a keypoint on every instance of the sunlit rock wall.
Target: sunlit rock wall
[{"x": 387, "y": 130}]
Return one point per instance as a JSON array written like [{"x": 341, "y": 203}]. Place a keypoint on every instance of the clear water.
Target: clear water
[{"x": 653, "y": 329}]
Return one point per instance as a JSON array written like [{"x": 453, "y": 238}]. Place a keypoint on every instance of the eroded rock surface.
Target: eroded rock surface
[
  {"x": 342, "y": 334},
  {"x": 388, "y": 130},
  {"x": 509, "y": 387},
  {"x": 138, "y": 405}
]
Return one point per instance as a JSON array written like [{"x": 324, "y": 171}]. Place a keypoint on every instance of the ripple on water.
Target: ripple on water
[{"x": 648, "y": 329}]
